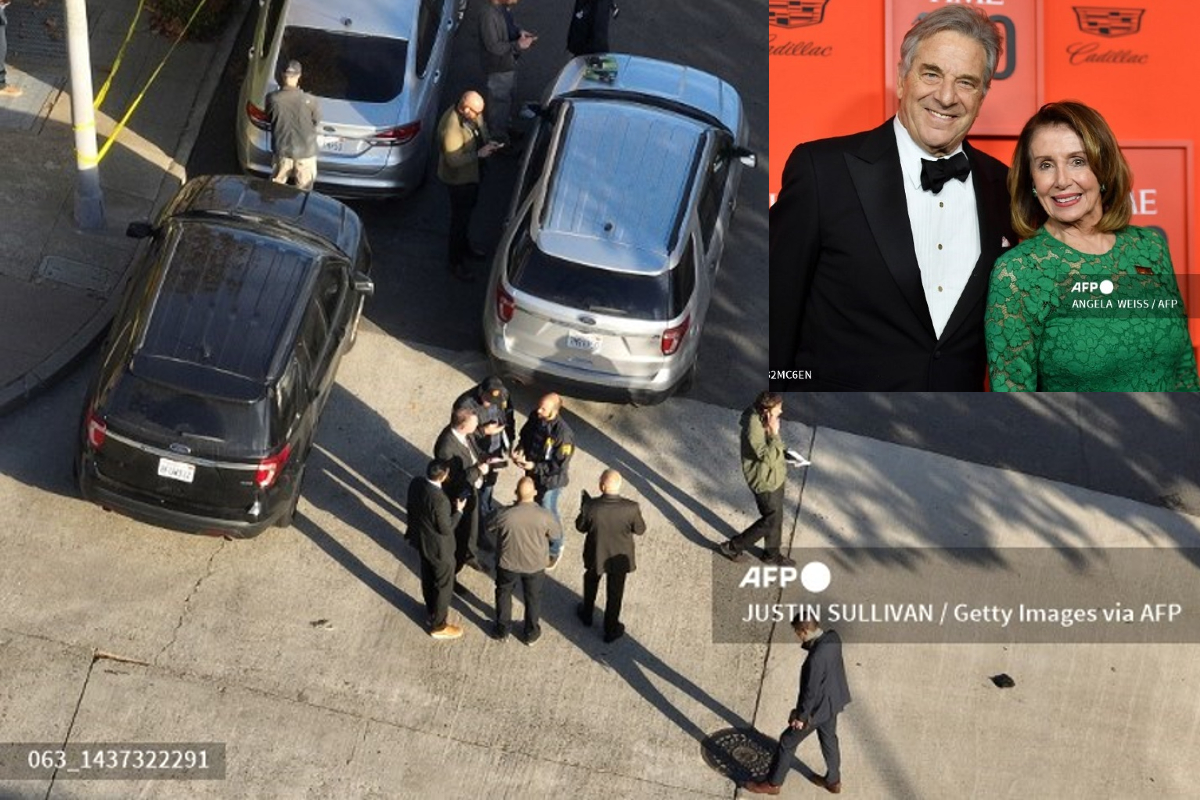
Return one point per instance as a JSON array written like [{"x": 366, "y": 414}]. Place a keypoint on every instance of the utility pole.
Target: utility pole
[{"x": 89, "y": 200}]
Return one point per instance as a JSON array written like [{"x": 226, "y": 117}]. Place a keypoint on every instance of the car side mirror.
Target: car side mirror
[
  {"x": 363, "y": 284},
  {"x": 139, "y": 230},
  {"x": 748, "y": 158}
]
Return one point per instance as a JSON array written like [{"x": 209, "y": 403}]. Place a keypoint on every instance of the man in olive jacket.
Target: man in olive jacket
[
  {"x": 610, "y": 522},
  {"x": 462, "y": 137},
  {"x": 766, "y": 473}
]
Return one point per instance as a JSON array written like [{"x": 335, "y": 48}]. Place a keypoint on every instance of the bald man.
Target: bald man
[
  {"x": 462, "y": 142},
  {"x": 610, "y": 522},
  {"x": 544, "y": 451},
  {"x": 523, "y": 531}
]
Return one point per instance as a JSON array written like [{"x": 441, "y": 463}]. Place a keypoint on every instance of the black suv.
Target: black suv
[{"x": 222, "y": 356}]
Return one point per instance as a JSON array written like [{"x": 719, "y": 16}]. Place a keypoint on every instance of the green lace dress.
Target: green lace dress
[{"x": 1062, "y": 320}]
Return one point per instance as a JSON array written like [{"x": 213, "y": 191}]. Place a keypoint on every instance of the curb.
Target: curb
[{"x": 56, "y": 365}]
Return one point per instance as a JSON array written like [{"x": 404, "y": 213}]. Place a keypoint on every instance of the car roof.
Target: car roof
[
  {"x": 621, "y": 176},
  {"x": 392, "y": 18},
  {"x": 261, "y": 202},
  {"x": 225, "y": 302},
  {"x": 661, "y": 79}
]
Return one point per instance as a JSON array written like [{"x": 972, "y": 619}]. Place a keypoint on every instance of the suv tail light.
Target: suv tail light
[
  {"x": 505, "y": 304},
  {"x": 269, "y": 468},
  {"x": 97, "y": 430},
  {"x": 394, "y": 137},
  {"x": 673, "y": 337},
  {"x": 258, "y": 117}
]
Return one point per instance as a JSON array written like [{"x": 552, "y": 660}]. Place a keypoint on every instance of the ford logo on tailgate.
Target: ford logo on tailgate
[{"x": 182, "y": 449}]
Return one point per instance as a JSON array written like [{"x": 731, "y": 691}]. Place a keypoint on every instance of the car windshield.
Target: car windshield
[
  {"x": 345, "y": 66},
  {"x": 600, "y": 291}
]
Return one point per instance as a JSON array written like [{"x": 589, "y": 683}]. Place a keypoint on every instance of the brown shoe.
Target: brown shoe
[
  {"x": 761, "y": 787},
  {"x": 447, "y": 631},
  {"x": 832, "y": 788},
  {"x": 11, "y": 91}
]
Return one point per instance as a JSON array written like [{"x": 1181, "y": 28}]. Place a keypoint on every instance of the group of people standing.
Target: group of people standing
[
  {"x": 452, "y": 514},
  {"x": 896, "y": 255}
]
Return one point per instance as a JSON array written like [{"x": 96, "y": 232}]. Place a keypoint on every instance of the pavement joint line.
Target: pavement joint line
[
  {"x": 74, "y": 715},
  {"x": 188, "y": 600}
]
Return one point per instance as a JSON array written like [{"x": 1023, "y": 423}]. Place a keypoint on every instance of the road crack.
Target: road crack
[{"x": 187, "y": 601}]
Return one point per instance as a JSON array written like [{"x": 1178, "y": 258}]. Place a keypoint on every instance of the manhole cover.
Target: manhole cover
[
  {"x": 89, "y": 277},
  {"x": 740, "y": 754}
]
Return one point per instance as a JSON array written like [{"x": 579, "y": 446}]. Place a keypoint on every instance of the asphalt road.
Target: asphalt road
[{"x": 416, "y": 300}]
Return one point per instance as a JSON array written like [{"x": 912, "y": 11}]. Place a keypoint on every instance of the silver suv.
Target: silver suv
[
  {"x": 376, "y": 68},
  {"x": 603, "y": 276}
]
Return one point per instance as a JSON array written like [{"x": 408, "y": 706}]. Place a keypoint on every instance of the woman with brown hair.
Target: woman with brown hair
[{"x": 1087, "y": 302}]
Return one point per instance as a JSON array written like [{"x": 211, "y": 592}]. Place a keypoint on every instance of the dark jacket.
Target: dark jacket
[
  {"x": 588, "y": 32},
  {"x": 499, "y": 52},
  {"x": 500, "y": 410},
  {"x": 462, "y": 458},
  {"x": 523, "y": 534},
  {"x": 847, "y": 301},
  {"x": 823, "y": 688},
  {"x": 294, "y": 116},
  {"x": 431, "y": 522},
  {"x": 610, "y": 522},
  {"x": 549, "y": 445}
]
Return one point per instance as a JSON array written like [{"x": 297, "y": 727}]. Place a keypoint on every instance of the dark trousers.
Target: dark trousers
[
  {"x": 612, "y": 605},
  {"x": 791, "y": 738},
  {"x": 437, "y": 586},
  {"x": 3, "y": 48},
  {"x": 466, "y": 535},
  {"x": 462, "y": 203},
  {"x": 531, "y": 593},
  {"x": 769, "y": 523}
]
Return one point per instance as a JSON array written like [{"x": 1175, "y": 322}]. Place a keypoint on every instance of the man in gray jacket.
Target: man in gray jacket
[
  {"x": 294, "y": 116},
  {"x": 502, "y": 43},
  {"x": 823, "y": 694},
  {"x": 523, "y": 532}
]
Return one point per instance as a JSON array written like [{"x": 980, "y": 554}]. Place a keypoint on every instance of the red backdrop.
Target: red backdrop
[{"x": 833, "y": 63}]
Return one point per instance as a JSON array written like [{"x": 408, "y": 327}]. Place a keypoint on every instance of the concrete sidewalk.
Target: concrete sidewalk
[
  {"x": 303, "y": 650},
  {"x": 59, "y": 287}
]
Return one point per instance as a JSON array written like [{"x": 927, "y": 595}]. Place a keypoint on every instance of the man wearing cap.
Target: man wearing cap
[
  {"x": 294, "y": 116},
  {"x": 489, "y": 402}
]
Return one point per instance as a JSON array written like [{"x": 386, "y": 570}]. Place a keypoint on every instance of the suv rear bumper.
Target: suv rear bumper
[
  {"x": 576, "y": 383},
  {"x": 156, "y": 511}
]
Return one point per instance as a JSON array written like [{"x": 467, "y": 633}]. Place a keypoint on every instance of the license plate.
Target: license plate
[
  {"x": 331, "y": 144},
  {"x": 176, "y": 470},
  {"x": 582, "y": 341}
]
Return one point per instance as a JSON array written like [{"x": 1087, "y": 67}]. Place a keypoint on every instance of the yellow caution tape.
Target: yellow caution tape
[
  {"x": 137, "y": 100},
  {"x": 120, "y": 56}
]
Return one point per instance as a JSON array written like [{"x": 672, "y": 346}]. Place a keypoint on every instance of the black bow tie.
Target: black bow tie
[{"x": 934, "y": 174}]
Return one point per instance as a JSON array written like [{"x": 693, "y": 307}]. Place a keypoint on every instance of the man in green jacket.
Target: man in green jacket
[
  {"x": 766, "y": 473},
  {"x": 462, "y": 140}
]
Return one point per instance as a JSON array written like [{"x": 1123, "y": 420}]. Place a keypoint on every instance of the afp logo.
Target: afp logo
[
  {"x": 1109, "y": 22},
  {"x": 796, "y": 13}
]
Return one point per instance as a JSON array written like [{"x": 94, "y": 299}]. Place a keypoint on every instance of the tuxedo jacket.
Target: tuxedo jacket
[
  {"x": 431, "y": 522},
  {"x": 823, "y": 688},
  {"x": 848, "y": 308},
  {"x": 461, "y": 458}
]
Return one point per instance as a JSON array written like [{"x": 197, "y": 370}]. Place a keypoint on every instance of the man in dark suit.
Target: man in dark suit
[
  {"x": 823, "y": 694},
  {"x": 882, "y": 242},
  {"x": 455, "y": 446},
  {"x": 431, "y": 529},
  {"x": 610, "y": 522}
]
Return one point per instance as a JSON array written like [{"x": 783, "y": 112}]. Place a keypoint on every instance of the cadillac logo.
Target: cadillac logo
[
  {"x": 1109, "y": 21},
  {"x": 796, "y": 13}
]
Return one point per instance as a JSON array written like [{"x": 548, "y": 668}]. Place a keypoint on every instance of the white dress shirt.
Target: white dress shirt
[{"x": 945, "y": 230}]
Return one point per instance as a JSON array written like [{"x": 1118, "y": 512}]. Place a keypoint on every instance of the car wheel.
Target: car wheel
[
  {"x": 285, "y": 521},
  {"x": 353, "y": 337}
]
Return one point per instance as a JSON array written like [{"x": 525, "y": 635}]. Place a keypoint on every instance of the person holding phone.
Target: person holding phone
[
  {"x": 463, "y": 140},
  {"x": 765, "y": 469}
]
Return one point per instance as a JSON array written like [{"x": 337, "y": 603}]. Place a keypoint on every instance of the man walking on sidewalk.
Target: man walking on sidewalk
[
  {"x": 523, "y": 531},
  {"x": 5, "y": 89},
  {"x": 823, "y": 694},
  {"x": 610, "y": 522},
  {"x": 765, "y": 469},
  {"x": 294, "y": 116}
]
